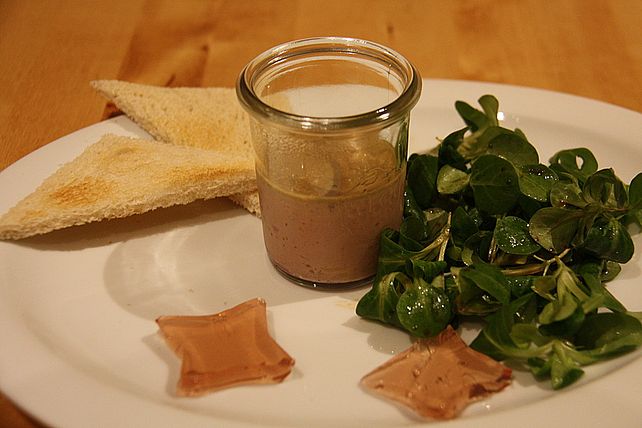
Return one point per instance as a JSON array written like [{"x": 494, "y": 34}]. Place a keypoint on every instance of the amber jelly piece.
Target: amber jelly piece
[
  {"x": 226, "y": 349},
  {"x": 438, "y": 377}
]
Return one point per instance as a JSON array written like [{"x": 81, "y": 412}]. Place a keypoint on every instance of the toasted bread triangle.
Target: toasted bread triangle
[
  {"x": 208, "y": 118},
  {"x": 121, "y": 176}
]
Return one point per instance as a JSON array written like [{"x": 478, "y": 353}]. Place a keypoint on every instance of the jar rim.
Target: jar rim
[{"x": 288, "y": 50}]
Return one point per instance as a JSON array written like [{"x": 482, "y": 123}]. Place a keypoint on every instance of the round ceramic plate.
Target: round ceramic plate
[{"x": 77, "y": 307}]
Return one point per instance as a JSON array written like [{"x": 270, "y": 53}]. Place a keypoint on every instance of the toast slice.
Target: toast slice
[
  {"x": 207, "y": 118},
  {"x": 121, "y": 176}
]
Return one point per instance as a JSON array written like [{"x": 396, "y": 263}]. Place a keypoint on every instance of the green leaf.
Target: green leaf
[
  {"x": 562, "y": 317},
  {"x": 610, "y": 270},
  {"x": 380, "y": 302},
  {"x": 474, "y": 118},
  {"x": 525, "y": 334},
  {"x": 420, "y": 227},
  {"x": 564, "y": 370},
  {"x": 424, "y": 269},
  {"x": 451, "y": 180},
  {"x": 472, "y": 300},
  {"x": 512, "y": 236},
  {"x": 412, "y": 232},
  {"x": 578, "y": 162},
  {"x": 606, "y": 189},
  {"x": 540, "y": 367},
  {"x": 448, "y": 150},
  {"x": 603, "y": 328},
  {"x": 609, "y": 240},
  {"x": 495, "y": 184},
  {"x": 520, "y": 285},
  {"x": 545, "y": 286},
  {"x": 422, "y": 178},
  {"x": 476, "y": 247},
  {"x": 619, "y": 345},
  {"x": 462, "y": 226},
  {"x": 635, "y": 193},
  {"x": 488, "y": 278},
  {"x": 536, "y": 181},
  {"x": 507, "y": 144},
  {"x": 554, "y": 228},
  {"x": 423, "y": 310},
  {"x": 591, "y": 274},
  {"x": 436, "y": 219},
  {"x": 490, "y": 105},
  {"x": 495, "y": 338},
  {"x": 558, "y": 309},
  {"x": 568, "y": 282},
  {"x": 392, "y": 256},
  {"x": 566, "y": 195},
  {"x": 411, "y": 207}
]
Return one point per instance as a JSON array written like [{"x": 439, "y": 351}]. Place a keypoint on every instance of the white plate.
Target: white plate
[{"x": 77, "y": 307}]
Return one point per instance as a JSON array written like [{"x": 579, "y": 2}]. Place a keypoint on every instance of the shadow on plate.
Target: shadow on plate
[
  {"x": 162, "y": 220},
  {"x": 199, "y": 258},
  {"x": 196, "y": 264},
  {"x": 157, "y": 344},
  {"x": 381, "y": 338}
]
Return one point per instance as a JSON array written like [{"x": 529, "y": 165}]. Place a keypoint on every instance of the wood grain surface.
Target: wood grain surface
[{"x": 51, "y": 49}]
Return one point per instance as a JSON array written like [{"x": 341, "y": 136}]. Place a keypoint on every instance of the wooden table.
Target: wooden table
[{"x": 50, "y": 50}]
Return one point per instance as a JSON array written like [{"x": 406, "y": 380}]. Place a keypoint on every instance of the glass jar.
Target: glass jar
[{"x": 329, "y": 119}]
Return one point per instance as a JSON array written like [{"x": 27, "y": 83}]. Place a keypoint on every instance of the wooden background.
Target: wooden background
[{"x": 51, "y": 49}]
